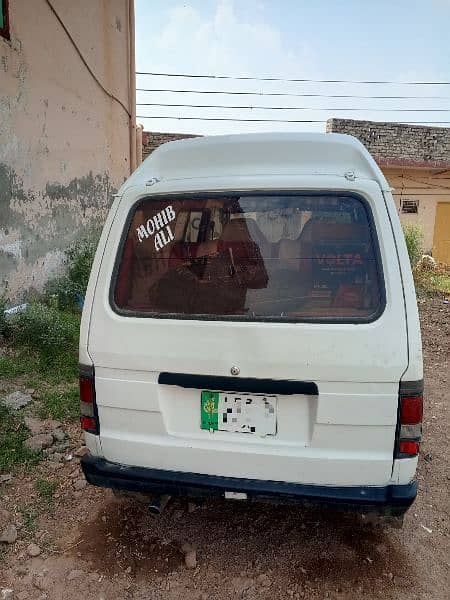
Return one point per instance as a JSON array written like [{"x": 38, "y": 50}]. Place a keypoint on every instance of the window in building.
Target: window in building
[
  {"x": 4, "y": 21},
  {"x": 410, "y": 206}
]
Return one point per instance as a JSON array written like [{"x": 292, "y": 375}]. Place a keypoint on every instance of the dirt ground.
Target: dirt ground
[{"x": 95, "y": 547}]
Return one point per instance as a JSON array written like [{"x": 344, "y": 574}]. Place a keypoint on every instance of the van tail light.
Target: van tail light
[
  {"x": 88, "y": 405},
  {"x": 410, "y": 415}
]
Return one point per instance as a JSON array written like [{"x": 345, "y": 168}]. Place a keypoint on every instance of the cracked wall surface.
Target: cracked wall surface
[{"x": 64, "y": 143}]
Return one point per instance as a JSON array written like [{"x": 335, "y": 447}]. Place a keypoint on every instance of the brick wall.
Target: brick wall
[
  {"x": 152, "y": 139},
  {"x": 396, "y": 144}
]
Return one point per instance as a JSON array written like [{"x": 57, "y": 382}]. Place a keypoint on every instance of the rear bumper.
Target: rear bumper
[{"x": 392, "y": 500}]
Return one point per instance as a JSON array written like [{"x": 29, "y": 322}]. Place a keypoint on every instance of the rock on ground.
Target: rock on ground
[
  {"x": 80, "y": 484},
  {"x": 39, "y": 442},
  {"x": 33, "y": 550},
  {"x": 58, "y": 435},
  {"x": 8, "y": 531},
  {"x": 9, "y": 534},
  {"x": 17, "y": 400},
  {"x": 81, "y": 452},
  {"x": 5, "y": 518},
  {"x": 35, "y": 426},
  {"x": 190, "y": 559},
  {"x": 57, "y": 457}
]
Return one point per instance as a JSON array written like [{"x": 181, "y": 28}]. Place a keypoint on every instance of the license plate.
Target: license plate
[{"x": 242, "y": 413}]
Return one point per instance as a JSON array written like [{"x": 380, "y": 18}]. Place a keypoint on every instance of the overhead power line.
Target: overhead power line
[
  {"x": 409, "y": 193},
  {"x": 292, "y": 107},
  {"x": 228, "y": 119},
  {"x": 291, "y": 95},
  {"x": 432, "y": 185},
  {"x": 294, "y": 80},
  {"x": 184, "y": 118}
]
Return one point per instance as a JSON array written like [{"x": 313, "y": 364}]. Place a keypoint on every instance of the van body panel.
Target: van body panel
[
  {"x": 93, "y": 443},
  {"x": 414, "y": 369},
  {"x": 342, "y": 436},
  {"x": 404, "y": 470},
  {"x": 85, "y": 359},
  {"x": 165, "y": 420}
]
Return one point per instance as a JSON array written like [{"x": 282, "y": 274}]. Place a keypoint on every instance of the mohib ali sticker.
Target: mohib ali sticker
[{"x": 159, "y": 227}]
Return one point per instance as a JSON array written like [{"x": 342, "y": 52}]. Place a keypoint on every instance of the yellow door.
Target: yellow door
[{"x": 441, "y": 241}]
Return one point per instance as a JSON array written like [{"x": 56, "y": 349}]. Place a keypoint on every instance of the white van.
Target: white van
[{"x": 250, "y": 328}]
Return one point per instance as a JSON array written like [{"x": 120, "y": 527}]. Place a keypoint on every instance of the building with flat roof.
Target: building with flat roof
[
  {"x": 415, "y": 160},
  {"x": 67, "y": 129}
]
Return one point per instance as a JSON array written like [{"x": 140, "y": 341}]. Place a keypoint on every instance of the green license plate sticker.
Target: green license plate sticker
[{"x": 209, "y": 410}]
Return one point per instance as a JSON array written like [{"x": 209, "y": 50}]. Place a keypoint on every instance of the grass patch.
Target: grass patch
[
  {"x": 59, "y": 405},
  {"x": 414, "y": 243},
  {"x": 46, "y": 489},
  {"x": 69, "y": 290},
  {"x": 432, "y": 283},
  {"x": 40, "y": 349},
  {"x": 15, "y": 363},
  {"x": 52, "y": 337},
  {"x": 12, "y": 435},
  {"x": 30, "y": 521}
]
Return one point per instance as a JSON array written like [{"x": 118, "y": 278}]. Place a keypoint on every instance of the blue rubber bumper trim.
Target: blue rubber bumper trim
[{"x": 389, "y": 500}]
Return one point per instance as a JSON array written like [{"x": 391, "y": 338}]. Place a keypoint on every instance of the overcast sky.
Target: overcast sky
[{"x": 398, "y": 40}]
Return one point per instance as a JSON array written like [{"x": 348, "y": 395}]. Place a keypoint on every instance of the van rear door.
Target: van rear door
[{"x": 251, "y": 335}]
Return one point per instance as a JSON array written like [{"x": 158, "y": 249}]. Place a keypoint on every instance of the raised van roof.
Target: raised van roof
[{"x": 259, "y": 154}]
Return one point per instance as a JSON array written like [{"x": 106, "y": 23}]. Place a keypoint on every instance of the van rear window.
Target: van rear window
[{"x": 278, "y": 257}]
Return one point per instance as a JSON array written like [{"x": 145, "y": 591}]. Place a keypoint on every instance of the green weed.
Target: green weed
[
  {"x": 431, "y": 283},
  {"x": 60, "y": 405},
  {"x": 46, "y": 489},
  {"x": 30, "y": 521},
  {"x": 51, "y": 335},
  {"x": 15, "y": 363},
  {"x": 69, "y": 290},
  {"x": 12, "y": 435},
  {"x": 3, "y": 319},
  {"x": 414, "y": 243}
]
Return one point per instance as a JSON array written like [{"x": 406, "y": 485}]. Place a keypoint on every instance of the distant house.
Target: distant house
[{"x": 416, "y": 162}]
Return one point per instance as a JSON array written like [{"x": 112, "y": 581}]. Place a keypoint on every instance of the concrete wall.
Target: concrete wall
[
  {"x": 398, "y": 144},
  {"x": 65, "y": 144}
]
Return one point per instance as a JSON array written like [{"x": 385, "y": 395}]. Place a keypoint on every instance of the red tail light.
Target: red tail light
[
  {"x": 409, "y": 447},
  {"x": 88, "y": 405},
  {"x": 409, "y": 430},
  {"x": 411, "y": 410},
  {"x": 87, "y": 390},
  {"x": 88, "y": 423}
]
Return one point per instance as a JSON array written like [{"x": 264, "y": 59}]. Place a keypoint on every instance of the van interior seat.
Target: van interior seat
[
  {"x": 316, "y": 232},
  {"x": 182, "y": 251},
  {"x": 239, "y": 234}
]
